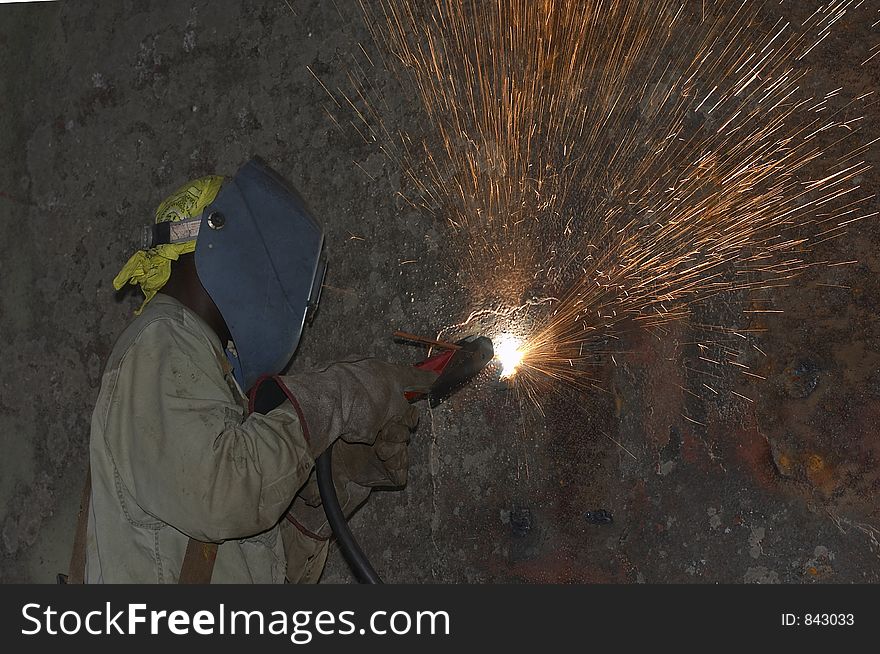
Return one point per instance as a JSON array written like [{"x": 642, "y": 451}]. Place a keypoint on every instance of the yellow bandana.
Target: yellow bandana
[{"x": 151, "y": 268}]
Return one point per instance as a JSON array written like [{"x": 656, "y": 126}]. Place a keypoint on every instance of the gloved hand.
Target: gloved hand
[
  {"x": 356, "y": 400},
  {"x": 357, "y": 469}
]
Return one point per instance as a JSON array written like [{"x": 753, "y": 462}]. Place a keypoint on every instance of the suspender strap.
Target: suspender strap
[
  {"x": 77, "y": 569},
  {"x": 198, "y": 562}
]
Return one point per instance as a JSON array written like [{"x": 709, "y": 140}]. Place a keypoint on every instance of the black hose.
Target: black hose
[{"x": 357, "y": 560}]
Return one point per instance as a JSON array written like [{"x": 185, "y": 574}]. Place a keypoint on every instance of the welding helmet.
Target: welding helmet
[{"x": 259, "y": 256}]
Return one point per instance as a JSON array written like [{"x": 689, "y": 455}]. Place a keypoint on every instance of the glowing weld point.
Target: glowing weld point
[{"x": 508, "y": 353}]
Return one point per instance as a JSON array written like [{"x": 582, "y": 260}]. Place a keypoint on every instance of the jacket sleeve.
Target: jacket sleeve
[{"x": 185, "y": 449}]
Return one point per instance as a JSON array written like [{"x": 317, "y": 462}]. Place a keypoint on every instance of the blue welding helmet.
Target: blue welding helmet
[{"x": 259, "y": 257}]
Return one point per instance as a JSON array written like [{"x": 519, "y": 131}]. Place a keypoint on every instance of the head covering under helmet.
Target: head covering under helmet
[{"x": 150, "y": 268}]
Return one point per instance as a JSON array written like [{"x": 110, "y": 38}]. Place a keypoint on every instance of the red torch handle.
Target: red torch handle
[{"x": 436, "y": 364}]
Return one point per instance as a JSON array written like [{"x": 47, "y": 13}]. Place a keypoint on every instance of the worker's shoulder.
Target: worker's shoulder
[{"x": 163, "y": 321}]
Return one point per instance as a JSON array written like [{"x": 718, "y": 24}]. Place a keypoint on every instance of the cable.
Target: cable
[{"x": 356, "y": 558}]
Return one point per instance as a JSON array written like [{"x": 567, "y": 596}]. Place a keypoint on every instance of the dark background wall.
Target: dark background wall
[{"x": 108, "y": 106}]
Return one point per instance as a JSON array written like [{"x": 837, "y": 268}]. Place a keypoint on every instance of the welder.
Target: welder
[{"x": 187, "y": 482}]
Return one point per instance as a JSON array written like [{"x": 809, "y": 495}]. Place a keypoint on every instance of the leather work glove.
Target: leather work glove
[
  {"x": 355, "y": 401},
  {"x": 359, "y": 404}
]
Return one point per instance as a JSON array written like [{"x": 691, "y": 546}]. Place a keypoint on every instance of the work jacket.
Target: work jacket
[{"x": 175, "y": 455}]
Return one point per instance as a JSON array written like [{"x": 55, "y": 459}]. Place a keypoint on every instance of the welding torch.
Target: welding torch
[{"x": 455, "y": 366}]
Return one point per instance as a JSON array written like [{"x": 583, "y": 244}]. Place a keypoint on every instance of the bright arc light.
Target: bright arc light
[{"x": 507, "y": 351}]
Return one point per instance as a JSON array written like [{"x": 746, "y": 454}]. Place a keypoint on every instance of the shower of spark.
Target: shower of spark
[{"x": 625, "y": 159}]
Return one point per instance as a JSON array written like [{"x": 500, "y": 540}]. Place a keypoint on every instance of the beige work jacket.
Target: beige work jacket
[{"x": 174, "y": 454}]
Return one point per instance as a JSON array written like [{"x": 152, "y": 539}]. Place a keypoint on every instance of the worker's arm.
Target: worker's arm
[{"x": 186, "y": 450}]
